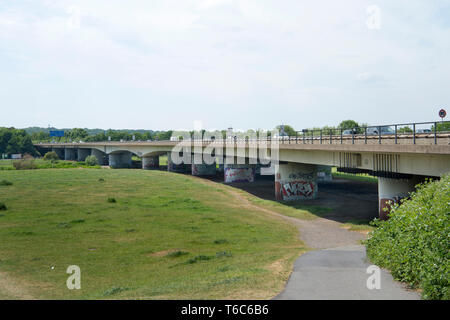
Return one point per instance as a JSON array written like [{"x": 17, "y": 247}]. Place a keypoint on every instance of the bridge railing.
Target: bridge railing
[
  {"x": 399, "y": 133},
  {"x": 437, "y": 132}
]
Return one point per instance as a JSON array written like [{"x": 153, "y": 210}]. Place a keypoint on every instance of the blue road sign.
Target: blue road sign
[
  {"x": 442, "y": 113},
  {"x": 56, "y": 133}
]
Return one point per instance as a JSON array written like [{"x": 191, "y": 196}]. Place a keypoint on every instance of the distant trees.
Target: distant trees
[
  {"x": 287, "y": 129},
  {"x": 348, "y": 125},
  {"x": 76, "y": 134},
  {"x": 94, "y": 135},
  {"x": 15, "y": 141}
]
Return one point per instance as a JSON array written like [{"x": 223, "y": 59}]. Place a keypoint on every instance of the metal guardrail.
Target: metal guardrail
[
  {"x": 329, "y": 136},
  {"x": 365, "y": 133}
]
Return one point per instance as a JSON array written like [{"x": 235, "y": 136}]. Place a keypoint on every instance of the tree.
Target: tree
[
  {"x": 77, "y": 134},
  {"x": 348, "y": 125},
  {"x": 15, "y": 141},
  {"x": 441, "y": 127},
  {"x": 288, "y": 130},
  {"x": 51, "y": 156},
  {"x": 404, "y": 130},
  {"x": 91, "y": 160}
]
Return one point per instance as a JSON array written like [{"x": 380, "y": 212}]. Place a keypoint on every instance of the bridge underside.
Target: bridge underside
[{"x": 398, "y": 168}]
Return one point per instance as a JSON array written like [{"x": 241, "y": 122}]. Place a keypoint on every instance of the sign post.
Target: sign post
[{"x": 442, "y": 114}]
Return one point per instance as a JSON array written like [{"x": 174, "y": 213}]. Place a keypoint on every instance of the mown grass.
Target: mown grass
[
  {"x": 359, "y": 225},
  {"x": 166, "y": 236},
  {"x": 42, "y": 164},
  {"x": 359, "y": 177}
]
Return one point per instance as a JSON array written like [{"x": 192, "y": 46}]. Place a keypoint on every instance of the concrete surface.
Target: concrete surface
[{"x": 340, "y": 274}]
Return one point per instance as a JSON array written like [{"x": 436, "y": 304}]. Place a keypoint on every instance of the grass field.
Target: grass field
[
  {"x": 350, "y": 176},
  {"x": 165, "y": 236},
  {"x": 42, "y": 164}
]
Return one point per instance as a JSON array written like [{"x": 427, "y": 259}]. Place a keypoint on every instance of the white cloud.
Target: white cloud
[{"x": 248, "y": 58}]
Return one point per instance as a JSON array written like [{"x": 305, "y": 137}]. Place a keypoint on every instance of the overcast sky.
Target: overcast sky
[{"x": 241, "y": 63}]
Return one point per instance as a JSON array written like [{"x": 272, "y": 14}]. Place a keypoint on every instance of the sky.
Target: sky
[{"x": 246, "y": 64}]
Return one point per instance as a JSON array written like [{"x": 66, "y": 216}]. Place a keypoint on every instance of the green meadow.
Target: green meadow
[{"x": 139, "y": 234}]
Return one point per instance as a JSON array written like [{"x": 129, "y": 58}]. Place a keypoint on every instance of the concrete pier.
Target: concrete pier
[
  {"x": 391, "y": 191},
  {"x": 202, "y": 169},
  {"x": 324, "y": 173},
  {"x": 83, "y": 153},
  {"x": 295, "y": 181},
  {"x": 149, "y": 163},
  {"x": 120, "y": 160},
  {"x": 59, "y": 152},
  {"x": 173, "y": 167},
  {"x": 239, "y": 173},
  {"x": 70, "y": 154},
  {"x": 102, "y": 157}
]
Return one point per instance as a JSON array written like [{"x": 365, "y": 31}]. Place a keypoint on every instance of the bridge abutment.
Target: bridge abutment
[
  {"x": 100, "y": 155},
  {"x": 391, "y": 191},
  {"x": 174, "y": 167},
  {"x": 70, "y": 154},
  {"x": 59, "y": 152},
  {"x": 324, "y": 173},
  {"x": 295, "y": 181},
  {"x": 239, "y": 172},
  {"x": 120, "y": 160},
  {"x": 83, "y": 153},
  {"x": 201, "y": 168},
  {"x": 149, "y": 163}
]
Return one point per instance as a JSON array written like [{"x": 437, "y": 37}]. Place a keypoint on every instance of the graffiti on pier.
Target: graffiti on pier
[
  {"x": 295, "y": 190},
  {"x": 204, "y": 169},
  {"x": 239, "y": 175},
  {"x": 302, "y": 176}
]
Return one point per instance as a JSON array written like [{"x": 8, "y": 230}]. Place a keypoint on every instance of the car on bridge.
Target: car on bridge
[
  {"x": 423, "y": 131},
  {"x": 380, "y": 130},
  {"x": 349, "y": 132}
]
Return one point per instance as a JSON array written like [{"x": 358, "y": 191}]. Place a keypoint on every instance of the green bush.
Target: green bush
[
  {"x": 51, "y": 156},
  {"x": 5, "y": 183},
  {"x": 3, "y": 207},
  {"x": 414, "y": 243},
  {"x": 91, "y": 161},
  {"x": 24, "y": 164}
]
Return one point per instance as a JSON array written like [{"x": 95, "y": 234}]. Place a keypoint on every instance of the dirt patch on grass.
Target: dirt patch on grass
[
  {"x": 163, "y": 253},
  {"x": 11, "y": 288}
]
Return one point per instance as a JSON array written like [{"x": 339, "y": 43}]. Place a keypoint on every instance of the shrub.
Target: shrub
[
  {"x": 24, "y": 164},
  {"x": 5, "y": 183},
  {"x": 91, "y": 161},
  {"x": 112, "y": 200},
  {"x": 414, "y": 243},
  {"x": 3, "y": 207},
  {"x": 51, "y": 156},
  {"x": 176, "y": 254}
]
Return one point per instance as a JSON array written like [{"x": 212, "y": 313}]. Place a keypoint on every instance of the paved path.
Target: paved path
[{"x": 337, "y": 268}]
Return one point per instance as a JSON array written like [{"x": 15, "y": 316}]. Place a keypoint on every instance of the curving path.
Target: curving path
[{"x": 336, "y": 269}]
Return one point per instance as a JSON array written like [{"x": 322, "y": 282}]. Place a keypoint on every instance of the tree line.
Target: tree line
[{"x": 13, "y": 141}]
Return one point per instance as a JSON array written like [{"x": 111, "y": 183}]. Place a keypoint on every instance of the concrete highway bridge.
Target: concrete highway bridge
[{"x": 400, "y": 161}]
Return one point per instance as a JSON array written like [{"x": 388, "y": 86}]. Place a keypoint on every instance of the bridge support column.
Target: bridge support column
[
  {"x": 239, "y": 172},
  {"x": 120, "y": 160},
  {"x": 100, "y": 155},
  {"x": 59, "y": 152},
  {"x": 324, "y": 173},
  {"x": 149, "y": 163},
  {"x": 391, "y": 191},
  {"x": 203, "y": 169},
  {"x": 83, "y": 153},
  {"x": 295, "y": 181},
  {"x": 180, "y": 168},
  {"x": 70, "y": 154}
]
